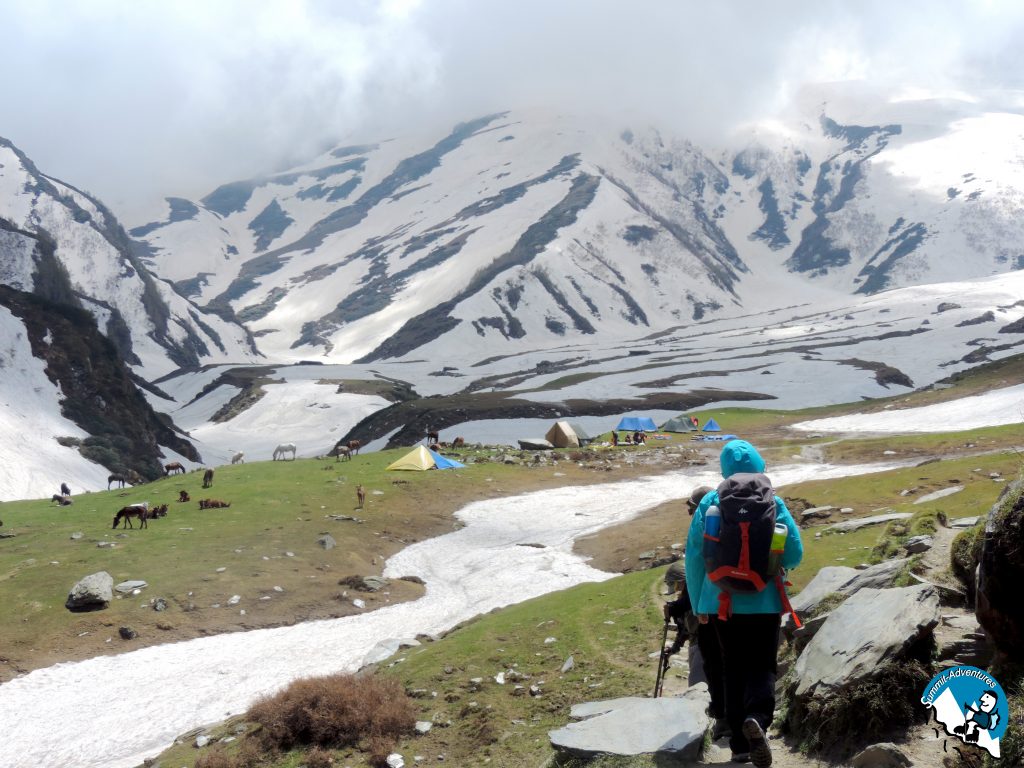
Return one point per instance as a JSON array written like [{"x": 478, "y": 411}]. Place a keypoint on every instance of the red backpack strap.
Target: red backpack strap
[
  {"x": 787, "y": 607},
  {"x": 724, "y": 605}
]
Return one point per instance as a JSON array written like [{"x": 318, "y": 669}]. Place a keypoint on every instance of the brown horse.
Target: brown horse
[
  {"x": 174, "y": 466},
  {"x": 360, "y": 496},
  {"x": 183, "y": 496},
  {"x": 116, "y": 478},
  {"x": 354, "y": 446},
  {"x": 432, "y": 436},
  {"x": 213, "y": 504},
  {"x": 458, "y": 442},
  {"x": 207, "y": 478},
  {"x": 158, "y": 511},
  {"x": 140, "y": 511}
]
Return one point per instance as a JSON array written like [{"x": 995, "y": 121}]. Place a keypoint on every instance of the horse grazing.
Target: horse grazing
[
  {"x": 174, "y": 466},
  {"x": 117, "y": 477},
  {"x": 207, "y": 478},
  {"x": 238, "y": 458},
  {"x": 140, "y": 511},
  {"x": 458, "y": 442},
  {"x": 213, "y": 504},
  {"x": 183, "y": 496},
  {"x": 284, "y": 448},
  {"x": 360, "y": 496},
  {"x": 62, "y": 500},
  {"x": 432, "y": 436},
  {"x": 354, "y": 446},
  {"x": 340, "y": 452},
  {"x": 65, "y": 490}
]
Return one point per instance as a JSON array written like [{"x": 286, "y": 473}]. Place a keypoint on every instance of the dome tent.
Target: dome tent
[
  {"x": 420, "y": 458},
  {"x": 636, "y": 424}
]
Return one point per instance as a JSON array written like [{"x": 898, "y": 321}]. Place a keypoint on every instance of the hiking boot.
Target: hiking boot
[
  {"x": 760, "y": 752},
  {"x": 740, "y": 757}
]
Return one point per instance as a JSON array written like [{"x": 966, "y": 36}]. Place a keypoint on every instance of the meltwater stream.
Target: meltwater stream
[{"x": 113, "y": 711}]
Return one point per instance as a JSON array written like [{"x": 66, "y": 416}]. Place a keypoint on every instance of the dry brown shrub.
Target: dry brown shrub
[
  {"x": 249, "y": 754},
  {"x": 318, "y": 758},
  {"x": 217, "y": 757},
  {"x": 336, "y": 711}
]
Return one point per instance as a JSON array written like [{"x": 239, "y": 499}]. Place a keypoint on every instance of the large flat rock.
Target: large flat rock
[
  {"x": 672, "y": 728},
  {"x": 863, "y": 634},
  {"x": 863, "y": 522},
  {"x": 826, "y": 581}
]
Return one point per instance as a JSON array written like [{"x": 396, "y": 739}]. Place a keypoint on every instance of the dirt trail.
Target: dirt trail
[{"x": 923, "y": 744}]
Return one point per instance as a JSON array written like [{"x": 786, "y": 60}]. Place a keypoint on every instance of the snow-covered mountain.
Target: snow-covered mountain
[
  {"x": 522, "y": 231},
  {"x": 83, "y": 324},
  {"x": 60, "y": 243}
]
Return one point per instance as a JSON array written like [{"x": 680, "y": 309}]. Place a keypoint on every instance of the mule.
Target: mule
[
  {"x": 173, "y": 467},
  {"x": 238, "y": 458},
  {"x": 208, "y": 478},
  {"x": 284, "y": 448},
  {"x": 140, "y": 511},
  {"x": 117, "y": 477}
]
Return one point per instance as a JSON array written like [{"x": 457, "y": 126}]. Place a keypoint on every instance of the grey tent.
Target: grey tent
[
  {"x": 680, "y": 423},
  {"x": 581, "y": 434}
]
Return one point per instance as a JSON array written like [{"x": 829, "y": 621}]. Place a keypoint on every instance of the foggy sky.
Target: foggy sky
[{"x": 137, "y": 99}]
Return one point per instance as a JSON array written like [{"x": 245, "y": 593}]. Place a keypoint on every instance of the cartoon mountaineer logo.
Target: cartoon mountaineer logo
[{"x": 970, "y": 705}]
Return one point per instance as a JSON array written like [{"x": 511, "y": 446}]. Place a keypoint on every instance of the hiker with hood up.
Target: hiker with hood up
[{"x": 746, "y": 616}]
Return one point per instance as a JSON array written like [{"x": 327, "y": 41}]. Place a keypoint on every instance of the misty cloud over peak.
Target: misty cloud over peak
[{"x": 137, "y": 100}]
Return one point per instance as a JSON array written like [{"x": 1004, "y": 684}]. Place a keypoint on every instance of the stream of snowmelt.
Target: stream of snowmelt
[{"x": 113, "y": 711}]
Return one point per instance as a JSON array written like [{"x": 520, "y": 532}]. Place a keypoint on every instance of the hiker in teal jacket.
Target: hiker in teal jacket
[{"x": 749, "y": 636}]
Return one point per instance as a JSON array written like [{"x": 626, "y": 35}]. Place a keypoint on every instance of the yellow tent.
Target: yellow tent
[{"x": 418, "y": 458}]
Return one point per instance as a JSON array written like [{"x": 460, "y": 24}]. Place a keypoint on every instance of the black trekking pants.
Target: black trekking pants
[
  {"x": 711, "y": 666},
  {"x": 750, "y": 645}
]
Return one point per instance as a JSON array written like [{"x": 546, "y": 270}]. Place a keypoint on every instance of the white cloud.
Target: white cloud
[{"x": 135, "y": 99}]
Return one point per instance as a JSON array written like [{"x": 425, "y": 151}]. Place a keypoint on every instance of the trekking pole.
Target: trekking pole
[{"x": 662, "y": 664}]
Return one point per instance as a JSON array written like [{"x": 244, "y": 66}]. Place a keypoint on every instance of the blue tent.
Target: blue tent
[
  {"x": 636, "y": 424},
  {"x": 440, "y": 462},
  {"x": 712, "y": 426}
]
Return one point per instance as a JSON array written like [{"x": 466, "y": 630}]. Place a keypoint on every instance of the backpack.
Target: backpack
[{"x": 742, "y": 549}]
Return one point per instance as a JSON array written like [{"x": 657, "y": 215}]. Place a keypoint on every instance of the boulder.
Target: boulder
[
  {"x": 127, "y": 633},
  {"x": 879, "y": 640},
  {"x": 873, "y": 627},
  {"x": 670, "y": 728},
  {"x": 963, "y": 522},
  {"x": 92, "y": 593},
  {"x": 1001, "y": 572},
  {"x": 826, "y": 581},
  {"x": 863, "y": 522},
  {"x": 327, "y": 541},
  {"x": 875, "y": 577},
  {"x": 884, "y": 755},
  {"x": 915, "y": 545},
  {"x": 816, "y": 513}
]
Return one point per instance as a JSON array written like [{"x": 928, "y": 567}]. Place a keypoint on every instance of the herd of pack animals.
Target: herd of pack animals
[{"x": 143, "y": 513}]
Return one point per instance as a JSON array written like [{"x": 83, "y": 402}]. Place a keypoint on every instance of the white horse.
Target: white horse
[
  {"x": 239, "y": 458},
  {"x": 284, "y": 448}
]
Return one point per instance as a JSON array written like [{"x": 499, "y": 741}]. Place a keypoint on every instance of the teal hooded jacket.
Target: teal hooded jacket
[{"x": 737, "y": 456}]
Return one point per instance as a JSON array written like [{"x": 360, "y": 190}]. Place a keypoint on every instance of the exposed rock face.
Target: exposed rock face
[
  {"x": 92, "y": 593},
  {"x": 865, "y": 664},
  {"x": 847, "y": 581},
  {"x": 1001, "y": 572},
  {"x": 672, "y": 728}
]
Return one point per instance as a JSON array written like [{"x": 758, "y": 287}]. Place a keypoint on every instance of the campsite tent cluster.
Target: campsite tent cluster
[{"x": 561, "y": 435}]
